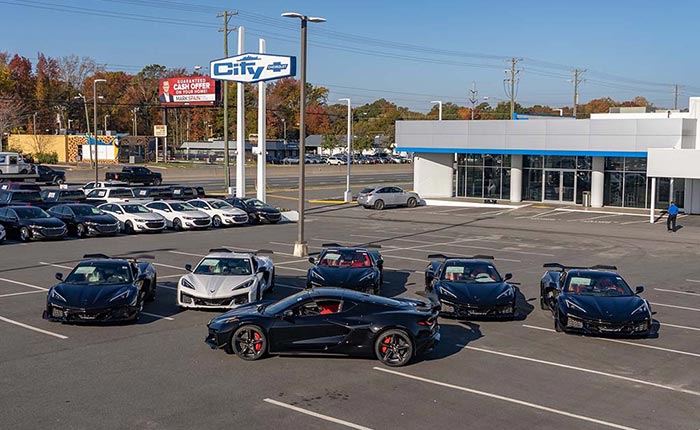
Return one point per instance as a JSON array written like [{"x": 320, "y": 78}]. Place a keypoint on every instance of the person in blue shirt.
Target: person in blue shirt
[{"x": 672, "y": 215}]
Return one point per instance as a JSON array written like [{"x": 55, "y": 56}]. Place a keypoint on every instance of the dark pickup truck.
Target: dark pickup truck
[{"x": 138, "y": 175}]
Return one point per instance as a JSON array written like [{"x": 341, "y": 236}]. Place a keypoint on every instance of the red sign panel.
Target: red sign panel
[{"x": 187, "y": 91}]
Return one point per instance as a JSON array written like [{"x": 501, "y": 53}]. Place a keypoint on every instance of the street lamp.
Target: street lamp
[
  {"x": 70, "y": 124},
  {"x": 439, "y": 103},
  {"x": 300, "y": 247},
  {"x": 133, "y": 111},
  {"x": 284, "y": 126},
  {"x": 106, "y": 116},
  {"x": 87, "y": 121},
  {"x": 348, "y": 193},
  {"x": 94, "y": 135}
]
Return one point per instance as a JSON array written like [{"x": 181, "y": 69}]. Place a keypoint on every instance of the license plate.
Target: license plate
[
  {"x": 448, "y": 308},
  {"x": 87, "y": 317}
]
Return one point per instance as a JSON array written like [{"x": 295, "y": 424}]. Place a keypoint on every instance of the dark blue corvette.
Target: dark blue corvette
[
  {"x": 469, "y": 287},
  {"x": 355, "y": 268},
  {"x": 594, "y": 300},
  {"x": 102, "y": 289}
]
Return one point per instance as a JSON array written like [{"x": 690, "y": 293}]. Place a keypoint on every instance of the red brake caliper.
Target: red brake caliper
[
  {"x": 386, "y": 341},
  {"x": 256, "y": 336}
]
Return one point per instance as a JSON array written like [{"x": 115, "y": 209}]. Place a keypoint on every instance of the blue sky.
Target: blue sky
[{"x": 410, "y": 52}]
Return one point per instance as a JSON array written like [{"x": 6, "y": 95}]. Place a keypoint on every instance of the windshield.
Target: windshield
[
  {"x": 220, "y": 204},
  {"x": 470, "y": 272},
  {"x": 224, "y": 267},
  {"x": 100, "y": 273},
  {"x": 279, "y": 307},
  {"x": 598, "y": 284},
  {"x": 30, "y": 212},
  {"x": 135, "y": 209},
  {"x": 85, "y": 210},
  {"x": 182, "y": 207},
  {"x": 255, "y": 203},
  {"x": 121, "y": 193},
  {"x": 72, "y": 195},
  {"x": 346, "y": 258},
  {"x": 26, "y": 197}
]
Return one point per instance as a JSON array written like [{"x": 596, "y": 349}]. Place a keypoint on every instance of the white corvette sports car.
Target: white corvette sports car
[{"x": 226, "y": 279}]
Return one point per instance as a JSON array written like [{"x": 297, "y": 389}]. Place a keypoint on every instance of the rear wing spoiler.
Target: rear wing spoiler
[
  {"x": 447, "y": 257},
  {"x": 565, "y": 267},
  {"x": 119, "y": 257},
  {"x": 337, "y": 245},
  {"x": 259, "y": 251}
]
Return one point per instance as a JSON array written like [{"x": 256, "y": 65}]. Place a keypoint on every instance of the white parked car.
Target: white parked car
[
  {"x": 336, "y": 161},
  {"x": 114, "y": 195},
  {"x": 226, "y": 279},
  {"x": 102, "y": 184},
  {"x": 135, "y": 217},
  {"x": 222, "y": 213},
  {"x": 180, "y": 215}
]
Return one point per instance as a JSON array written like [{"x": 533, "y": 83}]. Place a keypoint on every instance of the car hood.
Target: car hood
[
  {"x": 248, "y": 309},
  {"x": 266, "y": 209},
  {"x": 231, "y": 211},
  {"x": 614, "y": 309},
  {"x": 474, "y": 293},
  {"x": 44, "y": 222},
  {"x": 216, "y": 285},
  {"x": 90, "y": 296},
  {"x": 151, "y": 216},
  {"x": 99, "y": 219},
  {"x": 342, "y": 277},
  {"x": 194, "y": 214}
]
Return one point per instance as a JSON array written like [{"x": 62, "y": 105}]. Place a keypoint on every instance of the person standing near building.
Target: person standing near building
[{"x": 672, "y": 215}]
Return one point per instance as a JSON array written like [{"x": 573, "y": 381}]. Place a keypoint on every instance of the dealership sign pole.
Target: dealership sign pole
[
  {"x": 262, "y": 142},
  {"x": 240, "y": 126},
  {"x": 250, "y": 68}
]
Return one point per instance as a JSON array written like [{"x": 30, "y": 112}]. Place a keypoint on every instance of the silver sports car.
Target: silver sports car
[
  {"x": 226, "y": 279},
  {"x": 379, "y": 197}
]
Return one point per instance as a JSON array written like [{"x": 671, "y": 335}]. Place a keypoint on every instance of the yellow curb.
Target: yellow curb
[{"x": 333, "y": 202}]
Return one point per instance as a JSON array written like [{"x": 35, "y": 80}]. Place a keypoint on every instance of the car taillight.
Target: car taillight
[
  {"x": 369, "y": 195},
  {"x": 425, "y": 323}
]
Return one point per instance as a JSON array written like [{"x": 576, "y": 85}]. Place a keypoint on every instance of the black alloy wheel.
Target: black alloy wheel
[
  {"x": 216, "y": 221},
  {"x": 249, "y": 342},
  {"x": 412, "y": 202},
  {"x": 58, "y": 180},
  {"x": 80, "y": 230},
  {"x": 24, "y": 234},
  {"x": 151, "y": 296},
  {"x": 157, "y": 181},
  {"x": 379, "y": 205},
  {"x": 394, "y": 348}
]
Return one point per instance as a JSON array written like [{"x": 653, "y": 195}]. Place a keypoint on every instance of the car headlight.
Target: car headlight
[
  {"x": 246, "y": 284},
  {"x": 642, "y": 308},
  {"x": 141, "y": 220},
  {"x": 186, "y": 283},
  {"x": 191, "y": 218},
  {"x": 57, "y": 296},
  {"x": 572, "y": 305},
  {"x": 446, "y": 291},
  {"x": 368, "y": 276},
  {"x": 507, "y": 293},
  {"x": 34, "y": 226},
  {"x": 120, "y": 296},
  {"x": 315, "y": 274}
]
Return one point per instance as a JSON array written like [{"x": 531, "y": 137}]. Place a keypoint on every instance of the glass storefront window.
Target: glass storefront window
[
  {"x": 505, "y": 184},
  {"x": 475, "y": 160},
  {"x": 532, "y": 161},
  {"x": 635, "y": 190},
  {"x": 461, "y": 191},
  {"x": 635, "y": 164},
  {"x": 583, "y": 183},
  {"x": 612, "y": 193},
  {"x": 475, "y": 181},
  {"x": 558, "y": 162},
  {"x": 584, "y": 163},
  {"x": 532, "y": 184},
  {"x": 492, "y": 183},
  {"x": 614, "y": 163}
]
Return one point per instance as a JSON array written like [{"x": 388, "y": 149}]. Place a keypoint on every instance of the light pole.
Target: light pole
[
  {"x": 94, "y": 135},
  {"x": 300, "y": 247},
  {"x": 133, "y": 111},
  {"x": 106, "y": 116},
  {"x": 87, "y": 122},
  {"x": 34, "y": 122},
  {"x": 348, "y": 193},
  {"x": 439, "y": 103},
  {"x": 70, "y": 124},
  {"x": 284, "y": 126}
]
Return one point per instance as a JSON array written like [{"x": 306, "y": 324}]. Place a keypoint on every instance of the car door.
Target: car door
[
  {"x": 10, "y": 221},
  {"x": 309, "y": 328}
]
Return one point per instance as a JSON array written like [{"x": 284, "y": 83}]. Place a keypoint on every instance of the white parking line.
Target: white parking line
[
  {"x": 191, "y": 254},
  {"x": 598, "y": 212},
  {"x": 60, "y": 266},
  {"x": 692, "y": 280},
  {"x": 169, "y": 276},
  {"x": 591, "y": 219},
  {"x": 158, "y": 316},
  {"x": 556, "y": 411},
  {"x": 317, "y": 415},
  {"x": 28, "y": 327},
  {"x": 624, "y": 342},
  {"x": 685, "y": 308},
  {"x": 289, "y": 286},
  {"x": 168, "y": 266},
  {"x": 677, "y": 292},
  {"x": 20, "y": 294},
  {"x": 441, "y": 252},
  {"x": 582, "y": 369},
  {"x": 663, "y": 324},
  {"x": 24, "y": 284}
]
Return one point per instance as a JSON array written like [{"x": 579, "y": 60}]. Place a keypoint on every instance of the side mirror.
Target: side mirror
[
  {"x": 312, "y": 260},
  {"x": 639, "y": 289},
  {"x": 188, "y": 267},
  {"x": 380, "y": 263},
  {"x": 59, "y": 276},
  {"x": 508, "y": 276}
]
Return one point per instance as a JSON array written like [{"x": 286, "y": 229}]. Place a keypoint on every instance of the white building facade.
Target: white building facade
[{"x": 639, "y": 160}]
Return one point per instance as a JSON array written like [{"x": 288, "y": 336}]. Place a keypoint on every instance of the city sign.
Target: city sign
[{"x": 252, "y": 67}]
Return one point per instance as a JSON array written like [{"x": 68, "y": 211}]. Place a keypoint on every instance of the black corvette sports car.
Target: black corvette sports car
[
  {"x": 469, "y": 287},
  {"x": 356, "y": 268},
  {"x": 594, "y": 300},
  {"x": 329, "y": 320},
  {"x": 102, "y": 289}
]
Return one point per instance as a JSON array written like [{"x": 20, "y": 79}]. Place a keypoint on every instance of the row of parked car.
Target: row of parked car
[
  {"x": 342, "y": 159},
  {"x": 29, "y": 213}
]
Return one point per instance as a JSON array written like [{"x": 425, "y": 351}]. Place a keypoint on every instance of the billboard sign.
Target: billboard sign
[
  {"x": 187, "y": 91},
  {"x": 251, "y": 67}
]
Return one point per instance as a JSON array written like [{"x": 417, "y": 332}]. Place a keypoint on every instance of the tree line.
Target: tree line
[{"x": 52, "y": 91}]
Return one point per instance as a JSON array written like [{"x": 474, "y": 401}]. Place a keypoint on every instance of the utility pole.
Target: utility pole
[
  {"x": 675, "y": 96},
  {"x": 511, "y": 81},
  {"x": 473, "y": 98},
  {"x": 226, "y": 15},
  {"x": 577, "y": 81}
]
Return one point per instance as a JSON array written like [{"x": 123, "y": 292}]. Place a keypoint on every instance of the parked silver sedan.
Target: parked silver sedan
[{"x": 379, "y": 197}]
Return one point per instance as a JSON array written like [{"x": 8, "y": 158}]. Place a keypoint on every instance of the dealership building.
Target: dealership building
[{"x": 632, "y": 158}]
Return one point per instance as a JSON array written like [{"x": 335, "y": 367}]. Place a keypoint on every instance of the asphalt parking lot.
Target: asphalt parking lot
[{"x": 159, "y": 374}]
